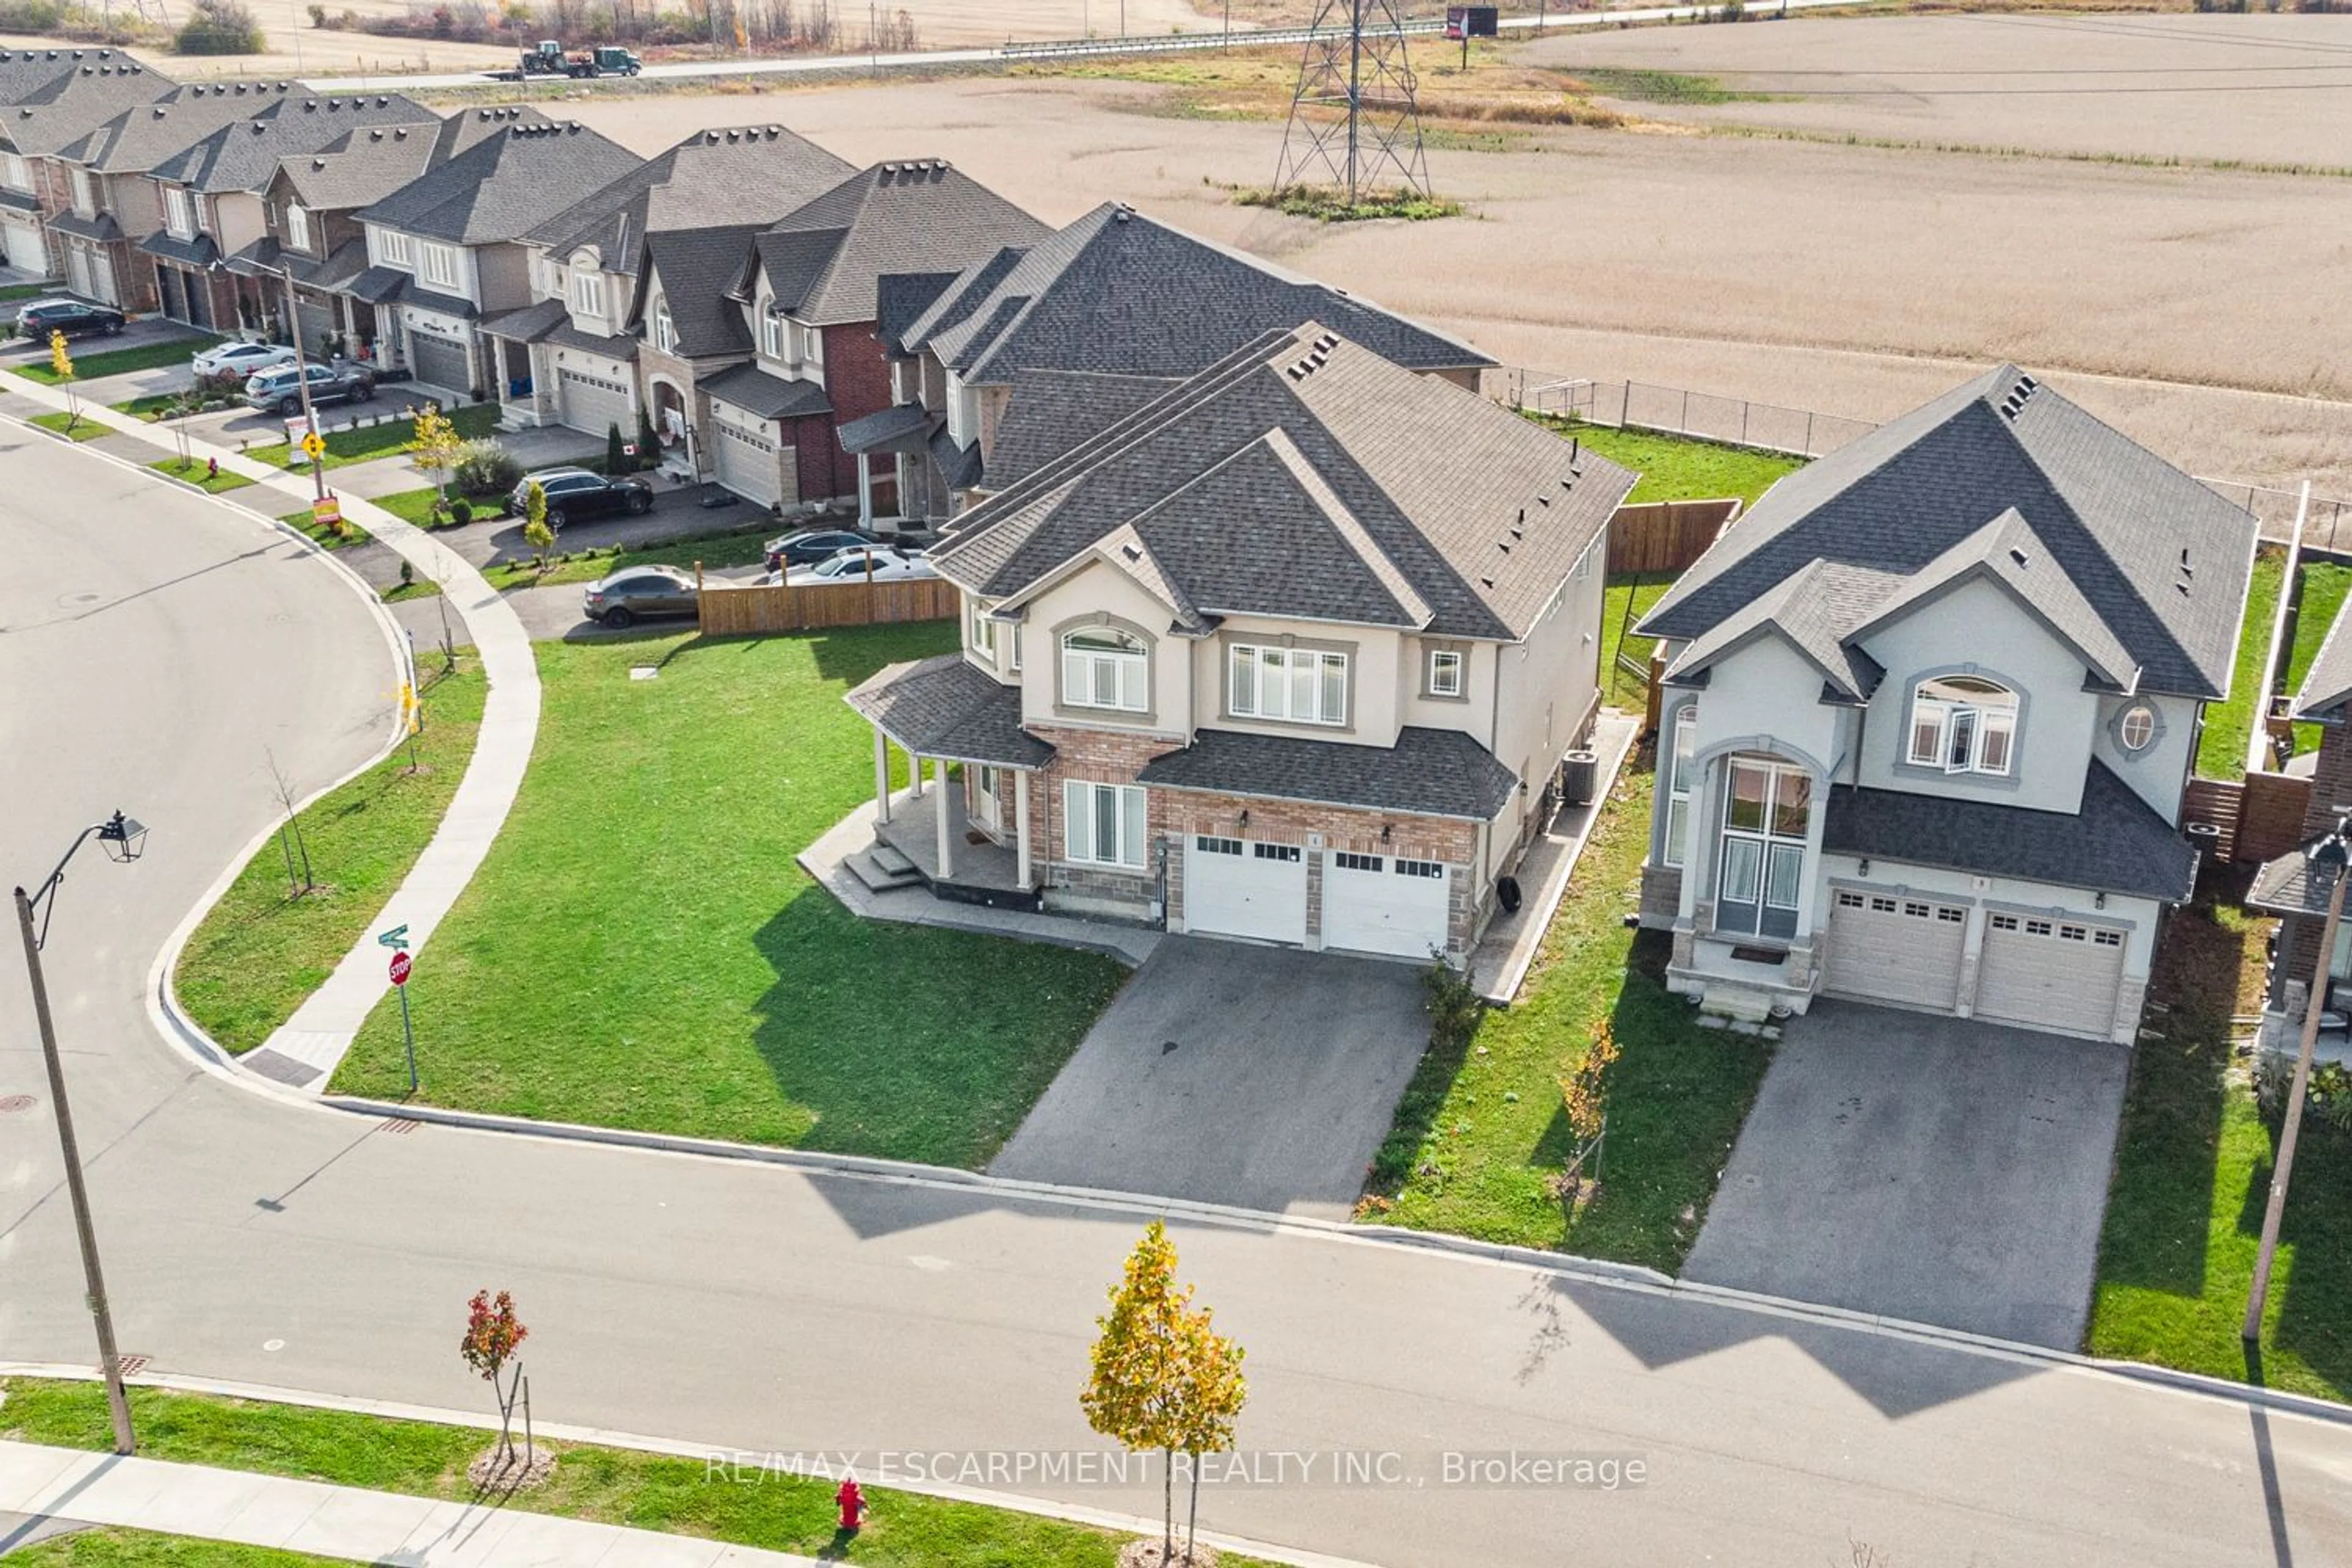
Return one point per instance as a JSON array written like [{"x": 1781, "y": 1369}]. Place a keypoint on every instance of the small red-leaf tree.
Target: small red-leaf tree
[{"x": 493, "y": 1334}]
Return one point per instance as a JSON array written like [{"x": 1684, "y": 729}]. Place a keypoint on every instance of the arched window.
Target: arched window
[
  {"x": 664, "y": 332},
  {"x": 1103, "y": 666},
  {"x": 1964, "y": 724}
]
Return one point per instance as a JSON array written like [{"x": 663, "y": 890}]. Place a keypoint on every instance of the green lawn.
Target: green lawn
[
  {"x": 2191, "y": 1177},
  {"x": 1626, "y": 600},
  {"x": 1478, "y": 1132},
  {"x": 714, "y": 551},
  {"x": 117, "y": 362},
  {"x": 193, "y": 472},
  {"x": 13, "y": 292},
  {"x": 389, "y": 437},
  {"x": 640, "y": 949},
  {"x": 612, "y": 1486},
  {"x": 76, "y": 427},
  {"x": 2325, "y": 584},
  {"x": 2221, "y": 749},
  {"x": 319, "y": 535},
  {"x": 1675, "y": 468},
  {"x": 259, "y": 953},
  {"x": 144, "y": 1548}
]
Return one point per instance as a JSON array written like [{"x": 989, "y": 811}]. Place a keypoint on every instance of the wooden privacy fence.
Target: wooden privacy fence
[
  {"x": 732, "y": 611},
  {"x": 2215, "y": 803},
  {"x": 1667, "y": 535}
]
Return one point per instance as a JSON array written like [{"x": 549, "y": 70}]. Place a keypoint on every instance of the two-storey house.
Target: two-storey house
[
  {"x": 211, "y": 195},
  {"x": 448, "y": 248},
  {"x": 1115, "y": 307},
  {"x": 2290, "y": 887},
  {"x": 1928, "y": 715},
  {"x": 758, "y": 403},
  {"x": 310, "y": 227},
  {"x": 92, "y": 82},
  {"x": 40, "y": 189},
  {"x": 115, "y": 205},
  {"x": 1294, "y": 653},
  {"x": 571, "y": 358}
]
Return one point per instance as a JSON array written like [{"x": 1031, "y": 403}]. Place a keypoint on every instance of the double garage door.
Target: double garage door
[
  {"x": 2057, "y": 976},
  {"x": 594, "y": 404},
  {"x": 1371, "y": 903}
]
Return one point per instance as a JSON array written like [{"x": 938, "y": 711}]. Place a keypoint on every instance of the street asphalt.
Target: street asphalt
[
  {"x": 1260, "y": 1077},
  {"x": 1935, "y": 1169},
  {"x": 156, "y": 647}
]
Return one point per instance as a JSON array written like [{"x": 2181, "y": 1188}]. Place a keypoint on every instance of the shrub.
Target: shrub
[
  {"x": 318, "y": 16},
  {"x": 219, "y": 27},
  {"x": 485, "y": 467},
  {"x": 461, "y": 511},
  {"x": 1454, "y": 1003},
  {"x": 616, "y": 456}
]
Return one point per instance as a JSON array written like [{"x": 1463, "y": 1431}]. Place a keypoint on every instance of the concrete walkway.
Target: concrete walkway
[
  {"x": 304, "y": 1051},
  {"x": 72, "y": 1485}
]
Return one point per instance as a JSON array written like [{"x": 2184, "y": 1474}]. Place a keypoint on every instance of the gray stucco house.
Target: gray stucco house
[{"x": 1930, "y": 712}]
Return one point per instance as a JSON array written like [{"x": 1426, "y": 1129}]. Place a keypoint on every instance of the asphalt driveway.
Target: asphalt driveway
[
  {"x": 1932, "y": 1169},
  {"x": 1260, "y": 1077}
]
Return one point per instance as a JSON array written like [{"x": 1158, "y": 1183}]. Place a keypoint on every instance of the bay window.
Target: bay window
[
  {"x": 1962, "y": 724},
  {"x": 588, "y": 292},
  {"x": 1103, "y": 825},
  {"x": 1302, "y": 685},
  {"x": 1103, "y": 666}
]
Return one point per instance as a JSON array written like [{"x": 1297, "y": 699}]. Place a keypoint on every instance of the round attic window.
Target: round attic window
[{"x": 2136, "y": 728}]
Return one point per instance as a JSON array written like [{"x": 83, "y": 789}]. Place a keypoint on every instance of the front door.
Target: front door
[
  {"x": 987, "y": 794},
  {"x": 1767, "y": 807}
]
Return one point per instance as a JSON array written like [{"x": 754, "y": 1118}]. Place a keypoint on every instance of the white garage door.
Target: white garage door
[
  {"x": 1380, "y": 903},
  {"x": 22, "y": 244},
  {"x": 102, "y": 277},
  {"x": 594, "y": 403},
  {"x": 746, "y": 463},
  {"x": 1887, "y": 947},
  {"x": 78, "y": 271},
  {"x": 2053, "y": 975},
  {"x": 1234, "y": 887}
]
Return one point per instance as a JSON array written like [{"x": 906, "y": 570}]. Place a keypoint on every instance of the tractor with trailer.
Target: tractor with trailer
[{"x": 549, "y": 58}]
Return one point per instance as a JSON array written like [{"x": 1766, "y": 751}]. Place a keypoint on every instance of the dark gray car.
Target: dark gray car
[{"x": 639, "y": 593}]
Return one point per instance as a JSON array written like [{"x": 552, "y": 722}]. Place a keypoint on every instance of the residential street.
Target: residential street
[{"x": 154, "y": 647}]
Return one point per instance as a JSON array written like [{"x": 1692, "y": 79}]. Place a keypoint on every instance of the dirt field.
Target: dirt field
[
  {"x": 2253, "y": 89},
  {"x": 2194, "y": 308}
]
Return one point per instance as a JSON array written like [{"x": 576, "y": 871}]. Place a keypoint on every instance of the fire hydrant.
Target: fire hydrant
[
  {"x": 852, "y": 1500},
  {"x": 212, "y": 467}
]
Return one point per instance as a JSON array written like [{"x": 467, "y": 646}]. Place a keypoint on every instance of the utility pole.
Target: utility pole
[
  {"x": 1355, "y": 89},
  {"x": 302, "y": 380}
]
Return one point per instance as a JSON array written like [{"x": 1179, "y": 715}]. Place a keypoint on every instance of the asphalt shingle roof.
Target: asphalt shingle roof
[
  {"x": 696, "y": 268},
  {"x": 504, "y": 185},
  {"x": 1472, "y": 513},
  {"x": 35, "y": 76},
  {"x": 2115, "y": 844},
  {"x": 2327, "y": 684},
  {"x": 1428, "y": 772},
  {"x": 1122, "y": 294},
  {"x": 748, "y": 387},
  {"x": 825, "y": 262},
  {"x": 370, "y": 165},
  {"x": 245, "y": 154},
  {"x": 943, "y": 706},
  {"x": 51, "y": 118},
  {"x": 2155, "y": 563},
  {"x": 1051, "y": 411},
  {"x": 137, "y": 140}
]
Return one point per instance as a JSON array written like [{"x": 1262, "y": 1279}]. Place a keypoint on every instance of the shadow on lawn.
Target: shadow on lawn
[{"x": 2311, "y": 1321}]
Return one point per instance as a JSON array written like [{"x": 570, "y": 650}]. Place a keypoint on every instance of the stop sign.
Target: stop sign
[{"x": 400, "y": 969}]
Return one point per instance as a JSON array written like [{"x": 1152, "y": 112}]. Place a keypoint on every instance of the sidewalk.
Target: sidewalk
[
  {"x": 333, "y": 1521},
  {"x": 304, "y": 1052}
]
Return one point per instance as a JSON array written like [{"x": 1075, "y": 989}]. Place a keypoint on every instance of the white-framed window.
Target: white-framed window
[
  {"x": 84, "y": 195},
  {"x": 298, "y": 226},
  {"x": 1302, "y": 685},
  {"x": 588, "y": 292},
  {"x": 178, "y": 212},
  {"x": 1446, "y": 668},
  {"x": 1681, "y": 774},
  {"x": 393, "y": 248},
  {"x": 1963, "y": 724},
  {"x": 775, "y": 332},
  {"x": 437, "y": 265},
  {"x": 204, "y": 215},
  {"x": 2135, "y": 731},
  {"x": 665, "y": 330},
  {"x": 1766, "y": 809},
  {"x": 1103, "y": 825},
  {"x": 1013, "y": 663},
  {"x": 16, "y": 172},
  {"x": 983, "y": 631},
  {"x": 812, "y": 350},
  {"x": 1103, "y": 666}
]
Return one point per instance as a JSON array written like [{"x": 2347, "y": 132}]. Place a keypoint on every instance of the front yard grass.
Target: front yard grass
[
  {"x": 119, "y": 362},
  {"x": 72, "y": 427},
  {"x": 111, "y": 1548},
  {"x": 1677, "y": 468},
  {"x": 713, "y": 551},
  {"x": 388, "y": 438},
  {"x": 773, "y": 1511},
  {"x": 260, "y": 953},
  {"x": 1480, "y": 1132},
  {"x": 640, "y": 949},
  {"x": 2192, "y": 1176},
  {"x": 193, "y": 472}
]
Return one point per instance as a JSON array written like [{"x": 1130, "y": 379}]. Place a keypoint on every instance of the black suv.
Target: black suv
[
  {"x": 575, "y": 493},
  {"x": 74, "y": 317}
]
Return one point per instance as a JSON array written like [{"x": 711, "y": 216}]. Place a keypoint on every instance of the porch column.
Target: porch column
[
  {"x": 1021, "y": 827},
  {"x": 915, "y": 771},
  {"x": 947, "y": 854},
  {"x": 498, "y": 365},
  {"x": 881, "y": 776},
  {"x": 864, "y": 490}
]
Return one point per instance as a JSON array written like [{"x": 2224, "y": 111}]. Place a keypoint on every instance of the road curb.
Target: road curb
[{"x": 390, "y": 1410}]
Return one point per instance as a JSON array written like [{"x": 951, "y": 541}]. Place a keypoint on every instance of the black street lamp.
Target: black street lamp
[
  {"x": 2326, "y": 861},
  {"x": 123, "y": 838}
]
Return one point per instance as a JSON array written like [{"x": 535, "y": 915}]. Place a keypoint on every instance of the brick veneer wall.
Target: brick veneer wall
[
  {"x": 2271, "y": 815},
  {"x": 2331, "y": 781},
  {"x": 857, "y": 382}
]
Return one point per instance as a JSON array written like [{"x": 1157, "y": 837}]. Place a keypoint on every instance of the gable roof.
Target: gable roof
[
  {"x": 137, "y": 139},
  {"x": 505, "y": 184},
  {"x": 53, "y": 115},
  {"x": 825, "y": 261},
  {"x": 1120, "y": 293},
  {"x": 714, "y": 179},
  {"x": 2327, "y": 684},
  {"x": 369, "y": 165},
  {"x": 2127, "y": 557},
  {"x": 694, "y": 268},
  {"x": 1391, "y": 499},
  {"x": 245, "y": 154}
]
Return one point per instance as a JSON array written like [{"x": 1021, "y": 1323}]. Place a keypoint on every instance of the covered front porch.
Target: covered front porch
[{"x": 898, "y": 437}]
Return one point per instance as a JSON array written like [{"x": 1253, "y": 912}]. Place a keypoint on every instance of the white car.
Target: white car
[
  {"x": 242, "y": 360},
  {"x": 889, "y": 565}
]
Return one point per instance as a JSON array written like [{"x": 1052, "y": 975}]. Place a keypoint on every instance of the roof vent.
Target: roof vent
[
  {"x": 1130, "y": 551},
  {"x": 2025, "y": 389},
  {"x": 1543, "y": 501},
  {"x": 2018, "y": 555},
  {"x": 1488, "y": 581}
]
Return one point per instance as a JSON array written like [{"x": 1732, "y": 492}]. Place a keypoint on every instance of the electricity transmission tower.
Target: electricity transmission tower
[{"x": 1355, "y": 122}]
